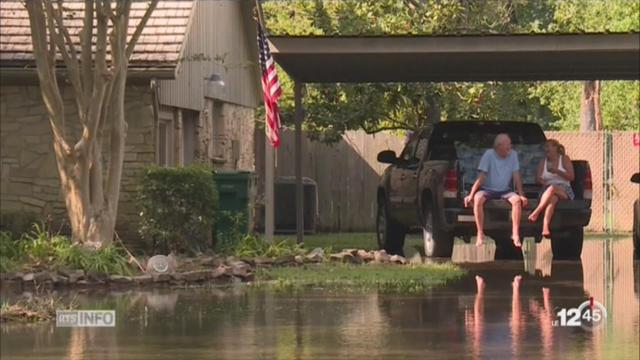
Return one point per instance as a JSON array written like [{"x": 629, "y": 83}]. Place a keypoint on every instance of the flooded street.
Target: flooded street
[{"x": 500, "y": 309}]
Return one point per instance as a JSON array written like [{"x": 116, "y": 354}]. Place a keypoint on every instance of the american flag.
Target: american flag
[{"x": 271, "y": 90}]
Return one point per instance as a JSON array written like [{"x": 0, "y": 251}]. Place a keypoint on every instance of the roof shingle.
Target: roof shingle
[{"x": 158, "y": 46}]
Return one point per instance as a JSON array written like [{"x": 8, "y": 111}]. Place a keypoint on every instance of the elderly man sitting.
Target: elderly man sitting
[{"x": 497, "y": 169}]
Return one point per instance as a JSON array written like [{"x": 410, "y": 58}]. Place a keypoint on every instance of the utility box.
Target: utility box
[
  {"x": 236, "y": 196},
  {"x": 285, "y": 204}
]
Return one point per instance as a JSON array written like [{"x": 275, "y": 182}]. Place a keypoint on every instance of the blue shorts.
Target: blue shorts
[{"x": 491, "y": 195}]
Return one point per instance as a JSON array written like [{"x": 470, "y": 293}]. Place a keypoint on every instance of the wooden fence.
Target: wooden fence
[{"x": 347, "y": 175}]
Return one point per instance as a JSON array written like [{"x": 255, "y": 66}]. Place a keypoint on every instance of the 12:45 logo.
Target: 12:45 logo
[{"x": 589, "y": 315}]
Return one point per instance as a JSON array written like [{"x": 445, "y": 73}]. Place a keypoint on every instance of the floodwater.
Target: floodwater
[{"x": 500, "y": 310}]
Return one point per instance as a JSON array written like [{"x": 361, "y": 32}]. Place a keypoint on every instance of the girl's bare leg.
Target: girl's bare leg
[
  {"x": 551, "y": 208},
  {"x": 544, "y": 201}
]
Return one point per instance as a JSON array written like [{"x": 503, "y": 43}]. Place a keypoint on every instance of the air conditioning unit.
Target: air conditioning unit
[{"x": 285, "y": 204}]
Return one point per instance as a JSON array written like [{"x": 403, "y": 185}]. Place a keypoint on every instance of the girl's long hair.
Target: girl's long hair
[{"x": 560, "y": 147}]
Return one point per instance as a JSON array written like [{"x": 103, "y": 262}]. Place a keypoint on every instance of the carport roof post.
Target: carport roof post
[{"x": 443, "y": 58}]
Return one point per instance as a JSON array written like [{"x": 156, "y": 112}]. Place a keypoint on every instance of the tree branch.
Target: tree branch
[
  {"x": 85, "y": 39},
  {"x": 54, "y": 21},
  {"x": 383, "y": 128},
  {"x": 140, "y": 27},
  {"x": 46, "y": 72}
]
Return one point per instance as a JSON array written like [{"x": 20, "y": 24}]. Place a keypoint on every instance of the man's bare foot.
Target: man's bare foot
[
  {"x": 546, "y": 234},
  {"x": 533, "y": 217},
  {"x": 516, "y": 240},
  {"x": 479, "y": 239}
]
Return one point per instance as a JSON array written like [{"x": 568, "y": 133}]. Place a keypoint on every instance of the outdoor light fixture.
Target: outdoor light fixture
[{"x": 215, "y": 78}]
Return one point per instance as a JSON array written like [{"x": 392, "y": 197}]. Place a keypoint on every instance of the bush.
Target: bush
[
  {"x": 231, "y": 227},
  {"x": 177, "y": 207},
  {"x": 40, "y": 248}
]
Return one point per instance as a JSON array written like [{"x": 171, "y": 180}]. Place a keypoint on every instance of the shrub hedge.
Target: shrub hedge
[{"x": 177, "y": 207}]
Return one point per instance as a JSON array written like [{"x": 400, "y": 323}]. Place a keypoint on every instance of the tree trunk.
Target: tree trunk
[
  {"x": 91, "y": 197},
  {"x": 590, "y": 113}
]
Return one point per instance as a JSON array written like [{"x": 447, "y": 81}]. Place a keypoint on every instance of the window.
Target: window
[
  {"x": 189, "y": 121},
  {"x": 415, "y": 149},
  {"x": 164, "y": 144},
  {"x": 409, "y": 150}
]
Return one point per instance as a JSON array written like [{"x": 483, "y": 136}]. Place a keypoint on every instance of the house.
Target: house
[{"x": 193, "y": 86}]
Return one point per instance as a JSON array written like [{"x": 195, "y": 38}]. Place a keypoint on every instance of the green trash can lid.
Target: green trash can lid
[{"x": 230, "y": 175}]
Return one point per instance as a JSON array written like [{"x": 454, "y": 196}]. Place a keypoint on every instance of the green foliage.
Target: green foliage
[
  {"x": 332, "y": 109},
  {"x": 384, "y": 278},
  {"x": 620, "y": 100},
  {"x": 231, "y": 227},
  {"x": 39, "y": 248},
  {"x": 596, "y": 16},
  {"x": 177, "y": 207},
  {"x": 17, "y": 222},
  {"x": 9, "y": 251},
  {"x": 252, "y": 246}
]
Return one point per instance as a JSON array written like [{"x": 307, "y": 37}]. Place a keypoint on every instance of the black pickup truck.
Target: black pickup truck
[{"x": 424, "y": 188}]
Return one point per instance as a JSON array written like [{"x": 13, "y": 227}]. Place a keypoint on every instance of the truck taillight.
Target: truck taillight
[
  {"x": 451, "y": 184},
  {"x": 588, "y": 185}
]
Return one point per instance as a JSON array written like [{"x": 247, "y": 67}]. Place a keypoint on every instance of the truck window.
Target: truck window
[
  {"x": 466, "y": 142},
  {"x": 409, "y": 149},
  {"x": 415, "y": 149}
]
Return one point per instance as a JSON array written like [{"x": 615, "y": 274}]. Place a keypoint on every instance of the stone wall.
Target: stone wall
[
  {"x": 29, "y": 180},
  {"x": 232, "y": 137}
]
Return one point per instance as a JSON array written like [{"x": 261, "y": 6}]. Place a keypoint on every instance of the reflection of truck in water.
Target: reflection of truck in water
[{"x": 425, "y": 185}]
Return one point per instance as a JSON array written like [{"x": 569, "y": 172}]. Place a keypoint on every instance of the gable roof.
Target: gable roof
[{"x": 158, "y": 49}]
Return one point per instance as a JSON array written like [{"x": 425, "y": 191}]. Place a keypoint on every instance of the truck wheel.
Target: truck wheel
[
  {"x": 567, "y": 245},
  {"x": 437, "y": 242},
  {"x": 390, "y": 234}
]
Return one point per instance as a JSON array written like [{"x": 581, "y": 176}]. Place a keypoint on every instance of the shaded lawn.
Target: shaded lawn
[
  {"x": 345, "y": 277},
  {"x": 367, "y": 241}
]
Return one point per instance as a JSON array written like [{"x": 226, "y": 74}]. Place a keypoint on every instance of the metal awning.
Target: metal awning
[{"x": 520, "y": 57}]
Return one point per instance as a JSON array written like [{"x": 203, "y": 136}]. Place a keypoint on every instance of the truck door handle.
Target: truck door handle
[{"x": 401, "y": 176}]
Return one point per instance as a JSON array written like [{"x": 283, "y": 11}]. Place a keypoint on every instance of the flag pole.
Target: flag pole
[{"x": 269, "y": 218}]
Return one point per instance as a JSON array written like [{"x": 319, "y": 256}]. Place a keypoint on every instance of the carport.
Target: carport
[{"x": 370, "y": 59}]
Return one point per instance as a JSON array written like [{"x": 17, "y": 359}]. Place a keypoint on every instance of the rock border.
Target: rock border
[{"x": 208, "y": 270}]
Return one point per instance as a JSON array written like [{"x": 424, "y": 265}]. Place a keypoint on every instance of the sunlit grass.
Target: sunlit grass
[{"x": 383, "y": 277}]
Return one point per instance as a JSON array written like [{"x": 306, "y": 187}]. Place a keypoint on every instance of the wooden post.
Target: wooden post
[
  {"x": 297, "y": 93},
  {"x": 269, "y": 165},
  {"x": 268, "y": 191}
]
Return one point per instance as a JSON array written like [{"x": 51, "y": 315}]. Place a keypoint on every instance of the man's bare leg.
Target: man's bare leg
[
  {"x": 478, "y": 213},
  {"x": 516, "y": 214}
]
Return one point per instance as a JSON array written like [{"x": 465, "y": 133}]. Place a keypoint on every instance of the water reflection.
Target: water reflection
[{"x": 501, "y": 309}]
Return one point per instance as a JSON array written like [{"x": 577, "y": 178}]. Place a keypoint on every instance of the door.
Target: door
[
  {"x": 398, "y": 175},
  {"x": 404, "y": 182},
  {"x": 409, "y": 208}
]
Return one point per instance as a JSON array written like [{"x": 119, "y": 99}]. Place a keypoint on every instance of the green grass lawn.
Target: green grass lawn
[{"x": 386, "y": 278}]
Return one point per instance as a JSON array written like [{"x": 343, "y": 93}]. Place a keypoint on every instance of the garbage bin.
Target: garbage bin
[{"x": 236, "y": 196}]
